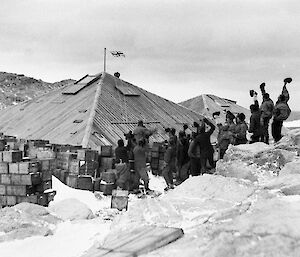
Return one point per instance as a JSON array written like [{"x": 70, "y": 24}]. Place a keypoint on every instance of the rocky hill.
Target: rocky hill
[{"x": 15, "y": 88}]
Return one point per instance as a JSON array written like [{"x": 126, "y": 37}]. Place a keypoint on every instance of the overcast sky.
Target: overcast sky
[{"x": 176, "y": 49}]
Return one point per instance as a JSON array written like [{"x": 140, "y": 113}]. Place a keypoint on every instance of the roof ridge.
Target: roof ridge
[{"x": 90, "y": 121}]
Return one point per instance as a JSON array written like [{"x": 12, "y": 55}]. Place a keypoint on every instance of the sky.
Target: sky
[{"x": 178, "y": 49}]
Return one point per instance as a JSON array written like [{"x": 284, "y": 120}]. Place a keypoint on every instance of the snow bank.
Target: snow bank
[
  {"x": 64, "y": 192},
  {"x": 69, "y": 240},
  {"x": 71, "y": 209},
  {"x": 25, "y": 220}
]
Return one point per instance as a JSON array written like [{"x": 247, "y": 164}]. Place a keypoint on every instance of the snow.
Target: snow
[
  {"x": 250, "y": 208},
  {"x": 69, "y": 239},
  {"x": 292, "y": 124},
  {"x": 64, "y": 192}
]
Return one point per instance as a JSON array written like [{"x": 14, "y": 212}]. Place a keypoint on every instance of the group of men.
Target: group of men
[
  {"x": 261, "y": 115},
  {"x": 185, "y": 154},
  {"x": 234, "y": 130},
  {"x": 193, "y": 154}
]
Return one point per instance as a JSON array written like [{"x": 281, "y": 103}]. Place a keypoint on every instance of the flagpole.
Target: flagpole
[{"x": 105, "y": 59}]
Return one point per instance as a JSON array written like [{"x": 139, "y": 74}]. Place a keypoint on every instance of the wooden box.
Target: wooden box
[
  {"x": 85, "y": 183},
  {"x": 107, "y": 188},
  {"x": 12, "y": 156},
  {"x": 2, "y": 144},
  {"x": 5, "y": 179},
  {"x": 42, "y": 199},
  {"x": 31, "y": 179},
  {"x": 106, "y": 151},
  {"x": 28, "y": 167},
  {"x": 2, "y": 189},
  {"x": 13, "y": 168},
  {"x": 11, "y": 200},
  {"x": 74, "y": 166},
  {"x": 106, "y": 163},
  {"x": 109, "y": 176},
  {"x": 44, "y": 185},
  {"x": 17, "y": 190},
  {"x": 3, "y": 167},
  {"x": 97, "y": 184},
  {"x": 87, "y": 155},
  {"x": 71, "y": 180},
  {"x": 119, "y": 199},
  {"x": 27, "y": 199},
  {"x": 46, "y": 175},
  {"x": 3, "y": 201}
]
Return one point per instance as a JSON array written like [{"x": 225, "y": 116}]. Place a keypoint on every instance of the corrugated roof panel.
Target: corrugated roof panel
[
  {"x": 80, "y": 84},
  {"x": 116, "y": 115},
  {"x": 86, "y": 79},
  {"x": 126, "y": 90}
]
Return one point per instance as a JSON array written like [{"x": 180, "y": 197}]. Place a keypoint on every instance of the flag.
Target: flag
[{"x": 117, "y": 54}]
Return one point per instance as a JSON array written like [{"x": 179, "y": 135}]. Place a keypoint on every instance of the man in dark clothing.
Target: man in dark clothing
[
  {"x": 140, "y": 156},
  {"x": 122, "y": 166},
  {"x": 255, "y": 125},
  {"x": 169, "y": 158},
  {"x": 182, "y": 157},
  {"x": 266, "y": 108},
  {"x": 206, "y": 148},
  {"x": 225, "y": 138},
  {"x": 121, "y": 152},
  {"x": 281, "y": 111},
  {"x": 241, "y": 129},
  {"x": 194, "y": 155}
]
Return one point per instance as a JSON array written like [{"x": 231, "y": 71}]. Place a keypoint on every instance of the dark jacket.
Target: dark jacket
[
  {"x": 225, "y": 137},
  {"x": 194, "y": 150},
  {"x": 241, "y": 129},
  {"x": 121, "y": 154},
  {"x": 182, "y": 151},
  {"x": 203, "y": 139},
  {"x": 282, "y": 110},
  {"x": 170, "y": 155},
  {"x": 267, "y": 108},
  {"x": 255, "y": 125}
]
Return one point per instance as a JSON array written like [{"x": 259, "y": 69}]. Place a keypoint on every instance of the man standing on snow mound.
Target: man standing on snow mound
[
  {"x": 241, "y": 129},
  {"x": 266, "y": 109},
  {"x": 255, "y": 125},
  {"x": 281, "y": 111}
]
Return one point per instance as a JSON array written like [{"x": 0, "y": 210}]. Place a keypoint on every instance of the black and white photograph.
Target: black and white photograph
[{"x": 152, "y": 128}]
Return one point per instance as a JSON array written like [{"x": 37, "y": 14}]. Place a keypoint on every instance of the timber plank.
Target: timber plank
[{"x": 135, "y": 242}]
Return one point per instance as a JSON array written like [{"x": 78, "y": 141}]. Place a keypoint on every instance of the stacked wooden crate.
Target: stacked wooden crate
[
  {"x": 88, "y": 168},
  {"x": 23, "y": 181},
  {"x": 157, "y": 158},
  {"x": 107, "y": 180}
]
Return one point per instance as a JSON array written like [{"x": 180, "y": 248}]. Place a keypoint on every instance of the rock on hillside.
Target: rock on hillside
[{"x": 16, "y": 88}]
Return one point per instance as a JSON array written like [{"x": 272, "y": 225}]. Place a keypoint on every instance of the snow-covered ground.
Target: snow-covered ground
[
  {"x": 71, "y": 238},
  {"x": 292, "y": 124},
  {"x": 250, "y": 207}
]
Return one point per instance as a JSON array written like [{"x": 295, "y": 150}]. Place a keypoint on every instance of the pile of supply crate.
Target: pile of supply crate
[
  {"x": 157, "y": 158},
  {"x": 23, "y": 179}
]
